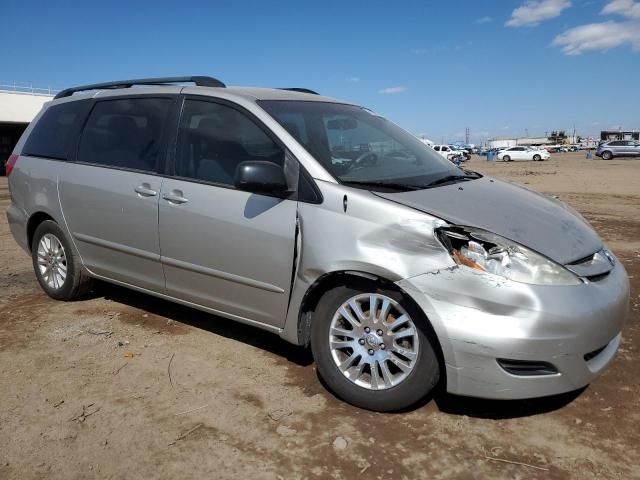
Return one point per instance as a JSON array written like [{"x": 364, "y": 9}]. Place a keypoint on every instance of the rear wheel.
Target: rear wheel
[
  {"x": 56, "y": 265},
  {"x": 606, "y": 155},
  {"x": 372, "y": 348}
]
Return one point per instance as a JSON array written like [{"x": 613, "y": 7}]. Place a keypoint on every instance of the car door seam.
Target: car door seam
[{"x": 66, "y": 224}]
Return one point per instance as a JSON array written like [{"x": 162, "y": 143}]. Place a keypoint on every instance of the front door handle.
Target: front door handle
[
  {"x": 145, "y": 190},
  {"x": 175, "y": 197}
]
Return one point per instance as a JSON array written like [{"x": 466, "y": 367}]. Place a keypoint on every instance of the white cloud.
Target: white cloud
[
  {"x": 599, "y": 36},
  {"x": 485, "y": 19},
  {"x": 532, "y": 12},
  {"x": 626, "y": 8},
  {"x": 390, "y": 90},
  {"x": 353, "y": 79}
]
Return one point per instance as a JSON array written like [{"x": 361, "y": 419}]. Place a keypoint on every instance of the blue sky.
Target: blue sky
[{"x": 499, "y": 68}]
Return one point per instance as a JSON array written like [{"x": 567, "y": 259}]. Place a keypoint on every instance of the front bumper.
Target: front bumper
[{"x": 480, "y": 318}]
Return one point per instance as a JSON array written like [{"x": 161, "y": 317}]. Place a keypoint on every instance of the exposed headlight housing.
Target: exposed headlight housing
[{"x": 487, "y": 252}]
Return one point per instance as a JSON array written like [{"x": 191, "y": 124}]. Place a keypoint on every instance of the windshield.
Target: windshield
[{"x": 360, "y": 148}]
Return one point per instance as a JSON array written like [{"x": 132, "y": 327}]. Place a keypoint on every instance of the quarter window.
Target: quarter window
[
  {"x": 213, "y": 139},
  {"x": 54, "y": 133},
  {"x": 125, "y": 133}
]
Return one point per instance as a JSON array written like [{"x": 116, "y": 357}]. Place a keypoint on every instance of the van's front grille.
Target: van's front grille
[
  {"x": 594, "y": 354},
  {"x": 594, "y": 267},
  {"x": 596, "y": 278},
  {"x": 526, "y": 368}
]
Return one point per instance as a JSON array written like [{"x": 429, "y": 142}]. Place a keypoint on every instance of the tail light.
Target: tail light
[{"x": 10, "y": 164}]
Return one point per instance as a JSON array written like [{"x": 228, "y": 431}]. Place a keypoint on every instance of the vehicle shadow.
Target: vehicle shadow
[
  {"x": 445, "y": 402},
  {"x": 503, "y": 409},
  {"x": 205, "y": 321}
]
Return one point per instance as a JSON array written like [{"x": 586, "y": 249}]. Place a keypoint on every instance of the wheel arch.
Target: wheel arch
[
  {"x": 331, "y": 280},
  {"x": 32, "y": 224}
]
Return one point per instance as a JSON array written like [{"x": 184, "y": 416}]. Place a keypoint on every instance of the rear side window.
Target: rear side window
[
  {"x": 54, "y": 134},
  {"x": 125, "y": 133},
  {"x": 214, "y": 138}
]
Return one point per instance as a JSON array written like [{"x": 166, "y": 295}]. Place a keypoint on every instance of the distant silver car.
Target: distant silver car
[
  {"x": 324, "y": 223},
  {"x": 618, "y": 148}
]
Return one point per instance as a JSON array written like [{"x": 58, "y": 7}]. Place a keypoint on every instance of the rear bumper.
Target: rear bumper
[
  {"x": 480, "y": 318},
  {"x": 17, "y": 220}
]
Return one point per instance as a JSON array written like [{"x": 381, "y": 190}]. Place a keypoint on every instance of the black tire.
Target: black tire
[
  {"x": 506, "y": 158},
  {"x": 416, "y": 386},
  {"x": 606, "y": 155},
  {"x": 77, "y": 282},
  {"x": 537, "y": 158}
]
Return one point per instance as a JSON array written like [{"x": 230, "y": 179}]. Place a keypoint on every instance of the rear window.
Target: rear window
[
  {"x": 53, "y": 135},
  {"x": 125, "y": 133}
]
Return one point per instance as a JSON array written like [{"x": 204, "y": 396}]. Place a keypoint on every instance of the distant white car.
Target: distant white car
[{"x": 523, "y": 153}]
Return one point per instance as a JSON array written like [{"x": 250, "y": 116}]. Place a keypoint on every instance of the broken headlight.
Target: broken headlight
[{"x": 490, "y": 253}]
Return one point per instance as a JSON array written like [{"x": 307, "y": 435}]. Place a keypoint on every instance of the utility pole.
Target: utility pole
[{"x": 466, "y": 136}]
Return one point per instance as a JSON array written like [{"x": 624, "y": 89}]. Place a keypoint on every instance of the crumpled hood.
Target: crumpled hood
[{"x": 524, "y": 216}]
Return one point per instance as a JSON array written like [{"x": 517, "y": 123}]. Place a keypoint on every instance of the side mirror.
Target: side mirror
[{"x": 260, "y": 177}]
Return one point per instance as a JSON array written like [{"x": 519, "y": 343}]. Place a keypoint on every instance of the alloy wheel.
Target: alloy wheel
[
  {"x": 373, "y": 341},
  {"x": 52, "y": 261}
]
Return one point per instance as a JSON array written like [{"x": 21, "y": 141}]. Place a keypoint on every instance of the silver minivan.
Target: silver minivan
[{"x": 324, "y": 223}]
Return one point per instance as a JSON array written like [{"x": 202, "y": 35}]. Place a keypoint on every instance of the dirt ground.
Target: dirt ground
[{"x": 122, "y": 385}]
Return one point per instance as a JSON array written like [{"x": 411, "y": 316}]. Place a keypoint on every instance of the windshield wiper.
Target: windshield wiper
[
  {"x": 452, "y": 178},
  {"x": 395, "y": 186}
]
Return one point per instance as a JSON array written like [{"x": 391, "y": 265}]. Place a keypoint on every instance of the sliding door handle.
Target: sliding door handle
[
  {"x": 145, "y": 190},
  {"x": 175, "y": 198}
]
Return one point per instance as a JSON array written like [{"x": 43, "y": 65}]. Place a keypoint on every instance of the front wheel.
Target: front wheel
[
  {"x": 607, "y": 155},
  {"x": 506, "y": 158},
  {"x": 537, "y": 158},
  {"x": 56, "y": 265},
  {"x": 372, "y": 348}
]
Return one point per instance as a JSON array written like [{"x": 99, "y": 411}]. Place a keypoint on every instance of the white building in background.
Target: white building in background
[
  {"x": 514, "y": 142},
  {"x": 556, "y": 137},
  {"x": 18, "y": 106}
]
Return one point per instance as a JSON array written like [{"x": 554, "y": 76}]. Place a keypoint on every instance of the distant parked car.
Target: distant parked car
[
  {"x": 523, "y": 153},
  {"x": 449, "y": 152},
  {"x": 464, "y": 151},
  {"x": 618, "y": 148}
]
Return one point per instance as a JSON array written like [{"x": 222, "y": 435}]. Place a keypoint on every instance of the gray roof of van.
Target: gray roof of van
[{"x": 248, "y": 93}]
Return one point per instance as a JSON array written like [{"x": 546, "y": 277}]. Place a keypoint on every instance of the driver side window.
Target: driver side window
[{"x": 213, "y": 139}]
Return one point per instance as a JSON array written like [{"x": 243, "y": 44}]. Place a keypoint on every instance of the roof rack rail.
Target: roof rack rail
[
  {"x": 301, "y": 90},
  {"x": 198, "y": 80}
]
